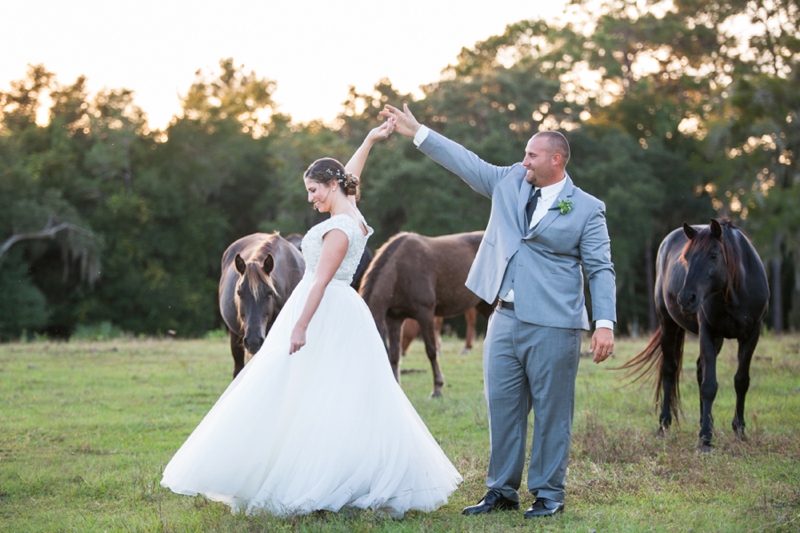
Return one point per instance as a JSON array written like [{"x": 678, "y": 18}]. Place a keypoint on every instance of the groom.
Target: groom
[{"x": 543, "y": 235}]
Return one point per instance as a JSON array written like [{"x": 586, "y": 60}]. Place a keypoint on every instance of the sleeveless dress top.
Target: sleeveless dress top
[{"x": 357, "y": 241}]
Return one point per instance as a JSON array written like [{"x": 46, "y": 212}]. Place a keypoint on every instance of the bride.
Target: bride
[{"x": 316, "y": 420}]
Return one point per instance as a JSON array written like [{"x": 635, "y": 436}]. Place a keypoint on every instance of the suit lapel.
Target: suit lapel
[{"x": 554, "y": 212}]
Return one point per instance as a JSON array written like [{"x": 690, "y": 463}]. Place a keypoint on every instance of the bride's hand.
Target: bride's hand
[
  {"x": 381, "y": 132},
  {"x": 405, "y": 122},
  {"x": 297, "y": 339}
]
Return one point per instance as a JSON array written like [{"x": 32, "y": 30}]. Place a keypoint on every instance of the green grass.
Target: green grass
[{"x": 86, "y": 429}]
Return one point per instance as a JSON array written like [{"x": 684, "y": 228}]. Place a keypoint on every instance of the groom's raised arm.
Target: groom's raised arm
[{"x": 477, "y": 173}]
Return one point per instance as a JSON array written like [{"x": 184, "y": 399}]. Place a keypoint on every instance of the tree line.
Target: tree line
[{"x": 678, "y": 111}]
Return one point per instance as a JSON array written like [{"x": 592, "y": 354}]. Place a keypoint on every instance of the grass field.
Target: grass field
[{"x": 86, "y": 429}]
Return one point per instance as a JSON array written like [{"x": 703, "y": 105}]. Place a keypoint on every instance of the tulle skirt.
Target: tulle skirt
[{"x": 321, "y": 429}]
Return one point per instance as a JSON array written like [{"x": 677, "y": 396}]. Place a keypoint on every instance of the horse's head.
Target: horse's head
[
  {"x": 256, "y": 300},
  {"x": 712, "y": 266}
]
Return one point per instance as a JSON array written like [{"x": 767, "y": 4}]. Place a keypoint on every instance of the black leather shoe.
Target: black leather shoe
[
  {"x": 544, "y": 507},
  {"x": 493, "y": 501}
]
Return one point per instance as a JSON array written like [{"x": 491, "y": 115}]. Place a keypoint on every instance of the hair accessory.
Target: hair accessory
[{"x": 337, "y": 173}]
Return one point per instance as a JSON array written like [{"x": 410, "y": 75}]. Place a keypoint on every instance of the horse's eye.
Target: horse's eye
[
  {"x": 269, "y": 295},
  {"x": 713, "y": 256}
]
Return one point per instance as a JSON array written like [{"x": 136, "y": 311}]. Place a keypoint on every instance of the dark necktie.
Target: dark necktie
[{"x": 530, "y": 207}]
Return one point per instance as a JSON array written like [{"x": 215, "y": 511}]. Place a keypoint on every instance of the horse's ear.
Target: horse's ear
[
  {"x": 716, "y": 229},
  {"x": 269, "y": 264},
  {"x": 689, "y": 231},
  {"x": 241, "y": 266}
]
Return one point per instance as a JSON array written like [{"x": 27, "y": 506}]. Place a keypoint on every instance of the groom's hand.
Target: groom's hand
[
  {"x": 602, "y": 344},
  {"x": 404, "y": 122}
]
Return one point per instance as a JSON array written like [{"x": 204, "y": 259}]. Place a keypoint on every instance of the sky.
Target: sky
[{"x": 313, "y": 49}]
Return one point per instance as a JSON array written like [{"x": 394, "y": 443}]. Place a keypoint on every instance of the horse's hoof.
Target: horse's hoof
[
  {"x": 437, "y": 393},
  {"x": 706, "y": 447},
  {"x": 740, "y": 435},
  {"x": 662, "y": 432},
  {"x": 464, "y": 352}
]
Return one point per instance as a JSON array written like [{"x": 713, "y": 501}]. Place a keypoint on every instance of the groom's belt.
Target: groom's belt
[{"x": 505, "y": 305}]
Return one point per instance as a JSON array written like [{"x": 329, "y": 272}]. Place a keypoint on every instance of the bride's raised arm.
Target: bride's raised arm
[{"x": 356, "y": 164}]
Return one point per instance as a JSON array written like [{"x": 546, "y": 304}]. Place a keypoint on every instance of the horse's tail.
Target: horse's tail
[{"x": 651, "y": 361}]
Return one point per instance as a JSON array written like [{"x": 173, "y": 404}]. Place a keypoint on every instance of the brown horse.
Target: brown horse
[
  {"x": 411, "y": 330},
  {"x": 259, "y": 272},
  {"x": 296, "y": 239},
  {"x": 419, "y": 277}
]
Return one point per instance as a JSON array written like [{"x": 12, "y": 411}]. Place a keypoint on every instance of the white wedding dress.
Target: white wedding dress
[{"x": 323, "y": 428}]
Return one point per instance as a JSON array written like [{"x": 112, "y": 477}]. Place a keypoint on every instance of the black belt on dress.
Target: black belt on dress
[{"x": 505, "y": 305}]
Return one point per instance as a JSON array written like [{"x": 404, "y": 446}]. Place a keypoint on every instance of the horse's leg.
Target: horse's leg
[
  {"x": 700, "y": 366},
  {"x": 699, "y": 386},
  {"x": 426, "y": 327},
  {"x": 672, "y": 336},
  {"x": 710, "y": 346},
  {"x": 410, "y": 330},
  {"x": 438, "y": 322},
  {"x": 471, "y": 317},
  {"x": 741, "y": 381},
  {"x": 394, "y": 327},
  {"x": 237, "y": 351}
]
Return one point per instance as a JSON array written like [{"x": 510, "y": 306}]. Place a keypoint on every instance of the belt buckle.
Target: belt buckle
[{"x": 505, "y": 305}]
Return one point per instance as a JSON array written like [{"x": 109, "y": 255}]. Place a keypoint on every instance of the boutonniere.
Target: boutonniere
[{"x": 565, "y": 206}]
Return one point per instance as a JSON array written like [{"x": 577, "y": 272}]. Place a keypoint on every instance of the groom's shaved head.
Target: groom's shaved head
[{"x": 557, "y": 143}]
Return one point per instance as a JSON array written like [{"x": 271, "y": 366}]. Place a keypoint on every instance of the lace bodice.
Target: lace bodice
[{"x": 312, "y": 245}]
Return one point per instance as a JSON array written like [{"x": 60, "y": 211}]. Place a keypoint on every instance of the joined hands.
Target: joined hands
[
  {"x": 404, "y": 122},
  {"x": 381, "y": 132}
]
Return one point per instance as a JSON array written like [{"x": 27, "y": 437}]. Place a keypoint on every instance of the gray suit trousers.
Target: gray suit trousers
[{"x": 527, "y": 366}]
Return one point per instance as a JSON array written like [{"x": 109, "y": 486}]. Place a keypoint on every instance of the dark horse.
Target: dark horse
[
  {"x": 259, "y": 272},
  {"x": 710, "y": 281},
  {"x": 419, "y": 277},
  {"x": 366, "y": 258}
]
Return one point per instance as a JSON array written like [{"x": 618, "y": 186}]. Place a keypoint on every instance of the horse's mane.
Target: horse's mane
[
  {"x": 254, "y": 273},
  {"x": 704, "y": 241},
  {"x": 382, "y": 257}
]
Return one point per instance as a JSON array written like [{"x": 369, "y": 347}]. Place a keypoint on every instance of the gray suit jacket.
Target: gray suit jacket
[{"x": 551, "y": 258}]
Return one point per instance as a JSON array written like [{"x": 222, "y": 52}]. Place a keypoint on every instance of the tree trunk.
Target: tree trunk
[
  {"x": 794, "y": 302},
  {"x": 650, "y": 284},
  {"x": 777, "y": 288}
]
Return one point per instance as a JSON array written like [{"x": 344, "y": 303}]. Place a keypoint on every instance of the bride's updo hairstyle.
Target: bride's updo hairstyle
[{"x": 327, "y": 169}]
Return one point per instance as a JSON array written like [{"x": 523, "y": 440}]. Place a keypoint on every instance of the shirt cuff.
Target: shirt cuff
[
  {"x": 421, "y": 135},
  {"x": 604, "y": 324}
]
